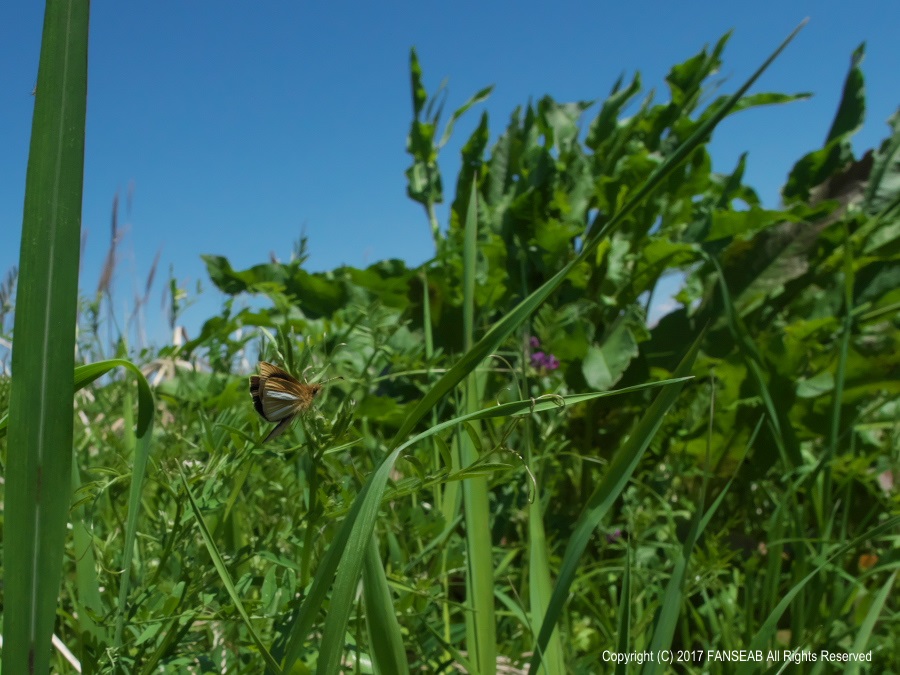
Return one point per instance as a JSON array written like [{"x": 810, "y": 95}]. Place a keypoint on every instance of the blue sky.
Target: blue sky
[{"x": 235, "y": 129}]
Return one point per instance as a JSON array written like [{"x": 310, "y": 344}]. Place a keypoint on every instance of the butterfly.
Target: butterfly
[{"x": 280, "y": 397}]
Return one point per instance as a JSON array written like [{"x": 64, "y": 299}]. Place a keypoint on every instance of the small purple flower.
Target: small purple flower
[
  {"x": 534, "y": 342},
  {"x": 544, "y": 361},
  {"x": 613, "y": 536}
]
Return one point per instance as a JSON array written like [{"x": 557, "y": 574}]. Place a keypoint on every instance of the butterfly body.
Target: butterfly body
[{"x": 280, "y": 397}]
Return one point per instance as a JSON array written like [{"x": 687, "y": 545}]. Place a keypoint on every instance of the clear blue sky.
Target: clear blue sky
[{"x": 239, "y": 124}]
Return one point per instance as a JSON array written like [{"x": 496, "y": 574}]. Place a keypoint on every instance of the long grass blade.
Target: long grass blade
[
  {"x": 481, "y": 626},
  {"x": 142, "y": 434},
  {"x": 868, "y": 624},
  {"x": 670, "y": 608},
  {"x": 139, "y": 444},
  {"x": 782, "y": 432},
  {"x": 672, "y": 598},
  {"x": 39, "y": 459},
  {"x": 767, "y": 630},
  {"x": 540, "y": 587},
  {"x": 347, "y": 548},
  {"x": 90, "y": 372},
  {"x": 617, "y": 476},
  {"x": 89, "y": 600},
  {"x": 624, "y": 616},
  {"x": 221, "y": 568},
  {"x": 385, "y": 638}
]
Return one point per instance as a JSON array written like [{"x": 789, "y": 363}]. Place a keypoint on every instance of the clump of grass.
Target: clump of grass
[{"x": 462, "y": 481}]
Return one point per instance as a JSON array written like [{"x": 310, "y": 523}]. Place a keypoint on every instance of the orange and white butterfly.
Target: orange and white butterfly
[{"x": 280, "y": 397}]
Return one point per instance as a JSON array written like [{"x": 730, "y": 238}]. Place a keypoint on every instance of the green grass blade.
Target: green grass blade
[
  {"x": 321, "y": 582},
  {"x": 386, "y": 640},
  {"x": 670, "y": 608},
  {"x": 86, "y": 374},
  {"x": 482, "y": 632},
  {"x": 140, "y": 445},
  {"x": 767, "y": 630},
  {"x": 673, "y": 596},
  {"x": 540, "y": 587},
  {"x": 87, "y": 582},
  {"x": 839, "y": 377},
  {"x": 347, "y": 548},
  {"x": 624, "y": 615},
  {"x": 486, "y": 346},
  {"x": 470, "y": 255},
  {"x": 782, "y": 432},
  {"x": 617, "y": 476},
  {"x": 361, "y": 522},
  {"x": 221, "y": 568},
  {"x": 868, "y": 624},
  {"x": 39, "y": 460},
  {"x": 343, "y": 596},
  {"x": 142, "y": 434}
]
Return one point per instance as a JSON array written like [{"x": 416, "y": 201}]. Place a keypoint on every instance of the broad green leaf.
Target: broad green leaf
[
  {"x": 884, "y": 183},
  {"x": 603, "y": 366},
  {"x": 852, "y": 109},
  {"x": 816, "y": 167}
]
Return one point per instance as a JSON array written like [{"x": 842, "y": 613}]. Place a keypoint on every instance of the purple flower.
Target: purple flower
[
  {"x": 544, "y": 361},
  {"x": 613, "y": 536},
  {"x": 534, "y": 342}
]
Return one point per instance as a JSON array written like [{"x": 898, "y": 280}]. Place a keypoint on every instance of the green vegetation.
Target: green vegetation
[{"x": 517, "y": 472}]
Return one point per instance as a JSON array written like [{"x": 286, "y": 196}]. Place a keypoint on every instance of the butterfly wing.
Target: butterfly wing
[
  {"x": 279, "y": 397},
  {"x": 282, "y": 397},
  {"x": 255, "y": 386},
  {"x": 279, "y": 429},
  {"x": 267, "y": 369}
]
